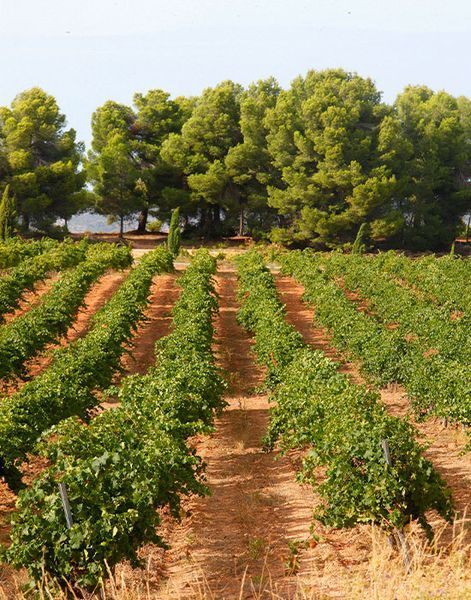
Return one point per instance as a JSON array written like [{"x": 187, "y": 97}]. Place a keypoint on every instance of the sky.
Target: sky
[{"x": 86, "y": 52}]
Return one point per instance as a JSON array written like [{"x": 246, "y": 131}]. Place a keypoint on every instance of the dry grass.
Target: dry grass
[{"x": 439, "y": 570}]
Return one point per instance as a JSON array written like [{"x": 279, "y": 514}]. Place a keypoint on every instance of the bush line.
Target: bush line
[
  {"x": 28, "y": 334},
  {"x": 128, "y": 461},
  {"x": 13, "y": 251},
  {"x": 341, "y": 424},
  {"x": 68, "y": 387},
  {"x": 24, "y": 277},
  {"x": 436, "y": 384},
  {"x": 428, "y": 328}
]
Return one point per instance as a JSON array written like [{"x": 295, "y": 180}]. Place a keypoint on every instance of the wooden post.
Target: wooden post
[
  {"x": 400, "y": 537},
  {"x": 387, "y": 454},
  {"x": 405, "y": 549},
  {"x": 66, "y": 505}
]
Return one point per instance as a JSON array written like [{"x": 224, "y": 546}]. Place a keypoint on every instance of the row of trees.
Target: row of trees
[{"x": 306, "y": 166}]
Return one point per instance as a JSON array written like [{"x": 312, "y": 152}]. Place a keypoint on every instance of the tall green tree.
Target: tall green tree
[
  {"x": 115, "y": 176},
  {"x": 200, "y": 150},
  {"x": 322, "y": 136},
  {"x": 248, "y": 164},
  {"x": 425, "y": 146},
  {"x": 113, "y": 165},
  {"x": 134, "y": 137},
  {"x": 157, "y": 116},
  {"x": 43, "y": 158}
]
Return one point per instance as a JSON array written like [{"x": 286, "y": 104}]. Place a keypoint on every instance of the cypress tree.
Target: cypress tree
[
  {"x": 173, "y": 240},
  {"x": 7, "y": 214},
  {"x": 359, "y": 245}
]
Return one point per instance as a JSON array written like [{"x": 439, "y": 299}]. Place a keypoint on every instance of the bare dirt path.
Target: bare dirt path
[
  {"x": 301, "y": 316},
  {"x": 140, "y": 354},
  {"x": 237, "y": 538},
  {"x": 445, "y": 445},
  {"x": 158, "y": 318}
]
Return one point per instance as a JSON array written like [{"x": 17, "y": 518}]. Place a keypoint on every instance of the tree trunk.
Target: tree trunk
[
  {"x": 121, "y": 226},
  {"x": 216, "y": 221},
  {"x": 142, "y": 221},
  {"x": 241, "y": 220},
  {"x": 26, "y": 221},
  {"x": 204, "y": 220}
]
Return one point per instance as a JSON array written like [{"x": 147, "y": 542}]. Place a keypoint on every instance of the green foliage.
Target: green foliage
[
  {"x": 7, "y": 215},
  {"x": 155, "y": 226},
  {"x": 15, "y": 250},
  {"x": 424, "y": 145},
  {"x": 129, "y": 461},
  {"x": 115, "y": 174},
  {"x": 125, "y": 164},
  {"x": 346, "y": 158},
  {"x": 305, "y": 166},
  {"x": 404, "y": 337},
  {"x": 173, "y": 240},
  {"x": 43, "y": 159},
  {"x": 341, "y": 424},
  {"x": 69, "y": 385},
  {"x": 200, "y": 150},
  {"x": 322, "y": 136},
  {"x": 28, "y": 334},
  {"x": 23, "y": 277},
  {"x": 261, "y": 312},
  {"x": 248, "y": 164}
]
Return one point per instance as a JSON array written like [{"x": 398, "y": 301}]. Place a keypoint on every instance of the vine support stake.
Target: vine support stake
[
  {"x": 400, "y": 537},
  {"x": 405, "y": 549},
  {"x": 66, "y": 505},
  {"x": 387, "y": 453}
]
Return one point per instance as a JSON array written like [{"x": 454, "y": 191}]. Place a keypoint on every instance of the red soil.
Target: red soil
[
  {"x": 158, "y": 317},
  {"x": 234, "y": 543}
]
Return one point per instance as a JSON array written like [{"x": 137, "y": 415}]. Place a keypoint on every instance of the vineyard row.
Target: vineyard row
[
  {"x": 343, "y": 425},
  {"x": 69, "y": 385},
  {"x": 436, "y": 384},
  {"x": 130, "y": 460}
]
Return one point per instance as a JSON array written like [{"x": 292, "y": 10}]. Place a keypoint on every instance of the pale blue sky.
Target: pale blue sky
[{"x": 89, "y": 51}]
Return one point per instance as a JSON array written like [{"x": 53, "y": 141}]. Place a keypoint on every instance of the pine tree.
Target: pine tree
[
  {"x": 173, "y": 240},
  {"x": 7, "y": 214}
]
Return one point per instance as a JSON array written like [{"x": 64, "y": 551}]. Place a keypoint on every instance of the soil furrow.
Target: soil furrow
[
  {"x": 158, "y": 318},
  {"x": 444, "y": 445},
  {"x": 237, "y": 538}
]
